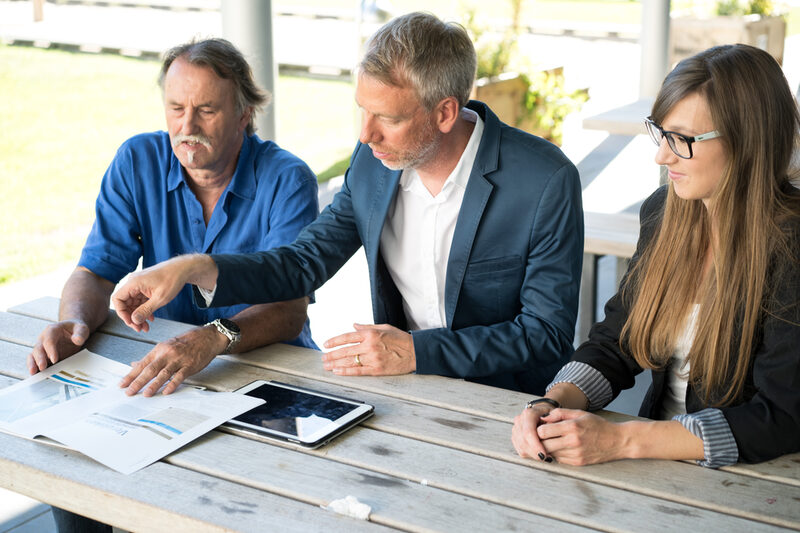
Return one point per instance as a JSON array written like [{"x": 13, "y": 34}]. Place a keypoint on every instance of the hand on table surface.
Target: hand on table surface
[
  {"x": 524, "y": 436},
  {"x": 174, "y": 360},
  {"x": 371, "y": 350},
  {"x": 576, "y": 437},
  {"x": 56, "y": 342}
]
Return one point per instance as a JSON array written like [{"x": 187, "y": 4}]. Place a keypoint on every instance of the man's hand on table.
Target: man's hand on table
[
  {"x": 172, "y": 361},
  {"x": 58, "y": 341},
  {"x": 374, "y": 350}
]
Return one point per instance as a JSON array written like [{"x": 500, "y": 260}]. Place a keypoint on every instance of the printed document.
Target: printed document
[{"x": 77, "y": 402}]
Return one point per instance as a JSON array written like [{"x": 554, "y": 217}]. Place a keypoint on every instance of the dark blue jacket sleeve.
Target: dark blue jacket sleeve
[{"x": 295, "y": 270}]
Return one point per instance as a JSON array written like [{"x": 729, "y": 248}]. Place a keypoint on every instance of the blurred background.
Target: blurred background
[{"x": 77, "y": 83}]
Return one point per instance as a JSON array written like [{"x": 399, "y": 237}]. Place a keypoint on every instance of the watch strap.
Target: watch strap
[{"x": 233, "y": 336}]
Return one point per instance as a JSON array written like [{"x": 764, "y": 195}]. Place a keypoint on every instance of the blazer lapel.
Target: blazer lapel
[
  {"x": 385, "y": 191},
  {"x": 476, "y": 196}
]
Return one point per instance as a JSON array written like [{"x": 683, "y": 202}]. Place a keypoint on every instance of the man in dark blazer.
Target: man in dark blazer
[{"x": 473, "y": 231}]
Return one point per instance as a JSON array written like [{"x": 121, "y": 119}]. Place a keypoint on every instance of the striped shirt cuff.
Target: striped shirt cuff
[
  {"x": 710, "y": 425},
  {"x": 589, "y": 380}
]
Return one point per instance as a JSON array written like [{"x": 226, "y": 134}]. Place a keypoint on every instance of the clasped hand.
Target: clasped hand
[
  {"x": 571, "y": 436},
  {"x": 376, "y": 350}
]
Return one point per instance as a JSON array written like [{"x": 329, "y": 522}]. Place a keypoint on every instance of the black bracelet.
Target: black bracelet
[{"x": 551, "y": 401}]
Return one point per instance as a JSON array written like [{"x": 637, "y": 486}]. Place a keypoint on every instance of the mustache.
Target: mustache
[{"x": 201, "y": 139}]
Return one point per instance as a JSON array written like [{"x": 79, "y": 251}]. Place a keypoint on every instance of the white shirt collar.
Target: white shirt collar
[{"x": 410, "y": 181}]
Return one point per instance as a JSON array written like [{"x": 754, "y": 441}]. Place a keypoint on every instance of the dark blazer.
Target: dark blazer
[
  {"x": 513, "y": 273},
  {"x": 766, "y": 422}
]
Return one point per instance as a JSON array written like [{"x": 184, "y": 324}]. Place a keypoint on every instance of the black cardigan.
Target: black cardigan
[{"x": 766, "y": 422}]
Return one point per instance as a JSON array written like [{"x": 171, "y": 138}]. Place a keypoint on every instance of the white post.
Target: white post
[
  {"x": 248, "y": 25},
  {"x": 654, "y": 42}
]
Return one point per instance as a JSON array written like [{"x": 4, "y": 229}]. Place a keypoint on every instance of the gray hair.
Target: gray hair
[
  {"x": 228, "y": 63},
  {"x": 437, "y": 59}
]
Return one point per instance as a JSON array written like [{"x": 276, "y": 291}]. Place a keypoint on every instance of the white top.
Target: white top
[
  {"x": 678, "y": 369},
  {"x": 415, "y": 241}
]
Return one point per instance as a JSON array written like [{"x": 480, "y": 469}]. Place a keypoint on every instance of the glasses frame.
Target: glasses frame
[{"x": 665, "y": 134}]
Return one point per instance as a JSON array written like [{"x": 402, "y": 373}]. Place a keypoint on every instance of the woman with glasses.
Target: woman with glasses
[{"x": 711, "y": 301}]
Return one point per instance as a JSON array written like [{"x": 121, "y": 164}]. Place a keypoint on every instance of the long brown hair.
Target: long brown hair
[{"x": 753, "y": 109}]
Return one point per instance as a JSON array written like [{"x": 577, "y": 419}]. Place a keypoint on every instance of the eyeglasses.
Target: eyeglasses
[{"x": 681, "y": 145}]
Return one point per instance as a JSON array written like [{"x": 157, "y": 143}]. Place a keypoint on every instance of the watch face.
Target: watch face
[{"x": 230, "y": 325}]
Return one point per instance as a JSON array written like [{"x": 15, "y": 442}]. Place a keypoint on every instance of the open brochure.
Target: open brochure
[{"x": 78, "y": 403}]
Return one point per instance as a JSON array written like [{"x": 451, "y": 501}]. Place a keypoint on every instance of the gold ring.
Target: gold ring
[{"x": 357, "y": 360}]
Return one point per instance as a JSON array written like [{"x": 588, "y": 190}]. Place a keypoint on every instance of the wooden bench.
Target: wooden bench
[{"x": 605, "y": 234}]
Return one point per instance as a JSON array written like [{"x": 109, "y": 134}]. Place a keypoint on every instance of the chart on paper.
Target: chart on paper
[{"x": 59, "y": 387}]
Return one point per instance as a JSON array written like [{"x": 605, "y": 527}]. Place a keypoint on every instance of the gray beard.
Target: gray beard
[{"x": 425, "y": 154}]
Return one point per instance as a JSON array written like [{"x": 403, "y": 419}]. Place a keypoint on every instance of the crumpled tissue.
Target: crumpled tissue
[{"x": 350, "y": 506}]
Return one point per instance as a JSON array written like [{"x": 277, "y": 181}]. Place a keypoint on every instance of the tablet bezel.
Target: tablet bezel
[{"x": 360, "y": 412}]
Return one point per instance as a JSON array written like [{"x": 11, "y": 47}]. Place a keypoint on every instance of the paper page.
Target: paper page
[
  {"x": 78, "y": 403},
  {"x": 46, "y": 399},
  {"x": 128, "y": 433}
]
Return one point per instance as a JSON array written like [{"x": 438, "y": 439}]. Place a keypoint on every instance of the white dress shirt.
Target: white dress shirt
[
  {"x": 674, "y": 403},
  {"x": 416, "y": 238}
]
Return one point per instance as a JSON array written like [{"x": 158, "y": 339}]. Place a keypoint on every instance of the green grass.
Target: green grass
[
  {"x": 67, "y": 113},
  {"x": 71, "y": 112}
]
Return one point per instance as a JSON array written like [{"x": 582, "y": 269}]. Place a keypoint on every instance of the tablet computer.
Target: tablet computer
[{"x": 297, "y": 415}]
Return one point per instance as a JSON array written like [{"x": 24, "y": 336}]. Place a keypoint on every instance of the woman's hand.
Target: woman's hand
[
  {"x": 576, "y": 437},
  {"x": 524, "y": 436}
]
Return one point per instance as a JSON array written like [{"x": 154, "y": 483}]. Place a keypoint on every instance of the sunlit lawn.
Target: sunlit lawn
[
  {"x": 63, "y": 118},
  {"x": 65, "y": 114}
]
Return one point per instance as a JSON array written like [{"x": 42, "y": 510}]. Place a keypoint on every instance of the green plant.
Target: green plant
[
  {"x": 546, "y": 102},
  {"x": 739, "y": 7},
  {"x": 494, "y": 54}
]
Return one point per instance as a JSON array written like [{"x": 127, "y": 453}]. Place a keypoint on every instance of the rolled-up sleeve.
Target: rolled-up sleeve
[
  {"x": 710, "y": 425},
  {"x": 592, "y": 383}
]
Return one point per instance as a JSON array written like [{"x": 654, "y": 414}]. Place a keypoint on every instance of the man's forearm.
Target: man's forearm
[
  {"x": 198, "y": 269},
  {"x": 85, "y": 297},
  {"x": 270, "y": 323}
]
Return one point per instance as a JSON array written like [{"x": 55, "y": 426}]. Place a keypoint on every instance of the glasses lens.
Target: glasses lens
[
  {"x": 679, "y": 145},
  {"x": 654, "y": 132}
]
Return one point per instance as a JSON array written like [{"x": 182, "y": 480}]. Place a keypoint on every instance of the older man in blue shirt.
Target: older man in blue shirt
[{"x": 206, "y": 185}]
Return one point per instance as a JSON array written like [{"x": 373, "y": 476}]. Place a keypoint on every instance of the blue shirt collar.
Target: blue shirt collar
[{"x": 243, "y": 183}]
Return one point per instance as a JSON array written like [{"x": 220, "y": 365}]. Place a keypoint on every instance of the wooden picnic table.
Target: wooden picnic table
[{"x": 436, "y": 456}]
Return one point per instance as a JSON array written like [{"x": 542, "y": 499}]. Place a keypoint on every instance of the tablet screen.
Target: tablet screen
[{"x": 296, "y": 414}]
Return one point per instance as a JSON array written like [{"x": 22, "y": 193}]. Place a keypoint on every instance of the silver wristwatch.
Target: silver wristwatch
[{"x": 230, "y": 329}]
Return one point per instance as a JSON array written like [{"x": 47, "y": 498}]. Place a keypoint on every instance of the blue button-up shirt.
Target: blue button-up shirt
[{"x": 146, "y": 210}]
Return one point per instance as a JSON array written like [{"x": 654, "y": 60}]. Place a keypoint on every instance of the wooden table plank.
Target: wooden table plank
[
  {"x": 160, "y": 497},
  {"x": 395, "y": 502},
  {"x": 568, "y": 499},
  {"x": 12, "y": 360},
  {"x": 785, "y": 469},
  {"x": 473, "y": 398},
  {"x": 687, "y": 483}
]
